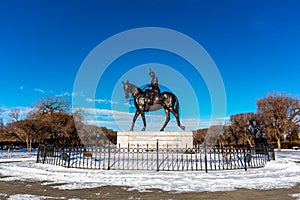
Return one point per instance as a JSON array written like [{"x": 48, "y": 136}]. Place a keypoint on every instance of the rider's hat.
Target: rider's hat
[{"x": 151, "y": 72}]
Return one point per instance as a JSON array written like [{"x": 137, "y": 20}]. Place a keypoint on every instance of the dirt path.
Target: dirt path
[{"x": 8, "y": 188}]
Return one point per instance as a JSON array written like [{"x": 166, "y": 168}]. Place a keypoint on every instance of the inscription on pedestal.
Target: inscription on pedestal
[{"x": 148, "y": 139}]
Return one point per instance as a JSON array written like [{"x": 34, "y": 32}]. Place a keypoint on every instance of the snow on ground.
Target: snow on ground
[
  {"x": 17, "y": 155},
  {"x": 296, "y": 196},
  {"x": 284, "y": 172}
]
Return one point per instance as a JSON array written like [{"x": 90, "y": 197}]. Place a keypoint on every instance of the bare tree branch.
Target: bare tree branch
[{"x": 14, "y": 114}]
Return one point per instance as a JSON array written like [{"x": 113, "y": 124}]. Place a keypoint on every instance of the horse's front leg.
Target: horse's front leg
[
  {"x": 175, "y": 113},
  {"x": 167, "y": 112},
  {"x": 137, "y": 113},
  {"x": 144, "y": 121}
]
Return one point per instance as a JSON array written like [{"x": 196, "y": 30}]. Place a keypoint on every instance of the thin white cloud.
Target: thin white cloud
[
  {"x": 105, "y": 112},
  {"x": 101, "y": 101},
  {"x": 66, "y": 94},
  {"x": 39, "y": 90}
]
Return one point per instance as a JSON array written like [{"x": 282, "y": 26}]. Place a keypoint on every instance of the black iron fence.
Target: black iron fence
[{"x": 112, "y": 157}]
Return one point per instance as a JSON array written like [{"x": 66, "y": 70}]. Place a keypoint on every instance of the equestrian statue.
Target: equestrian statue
[{"x": 151, "y": 100}]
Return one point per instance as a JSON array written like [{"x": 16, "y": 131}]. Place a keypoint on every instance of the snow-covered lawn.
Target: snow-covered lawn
[{"x": 284, "y": 172}]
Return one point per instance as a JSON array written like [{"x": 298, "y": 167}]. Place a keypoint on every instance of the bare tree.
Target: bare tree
[
  {"x": 199, "y": 136},
  {"x": 280, "y": 114},
  {"x": 246, "y": 126},
  {"x": 227, "y": 138},
  {"x": 231, "y": 134},
  {"x": 213, "y": 134},
  {"x": 50, "y": 118},
  {"x": 1, "y": 124},
  {"x": 1, "y": 119},
  {"x": 294, "y": 136},
  {"x": 255, "y": 124},
  {"x": 50, "y": 105},
  {"x": 14, "y": 114},
  {"x": 57, "y": 126},
  {"x": 23, "y": 130}
]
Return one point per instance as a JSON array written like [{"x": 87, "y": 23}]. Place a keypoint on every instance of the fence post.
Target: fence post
[
  {"x": 205, "y": 157},
  {"x": 157, "y": 162},
  {"x": 245, "y": 159},
  {"x": 147, "y": 157},
  {"x": 128, "y": 156},
  {"x": 273, "y": 153},
  {"x": 44, "y": 158},
  {"x": 108, "y": 167},
  {"x": 119, "y": 156},
  {"x": 68, "y": 159},
  {"x": 186, "y": 157},
  {"x": 38, "y": 155},
  {"x": 137, "y": 157}
]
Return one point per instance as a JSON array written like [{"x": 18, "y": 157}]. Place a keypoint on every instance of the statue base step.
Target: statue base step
[{"x": 149, "y": 139}]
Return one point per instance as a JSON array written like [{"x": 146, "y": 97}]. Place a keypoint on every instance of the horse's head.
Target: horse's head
[{"x": 126, "y": 89}]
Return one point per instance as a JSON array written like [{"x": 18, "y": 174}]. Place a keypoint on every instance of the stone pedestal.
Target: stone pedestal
[{"x": 144, "y": 139}]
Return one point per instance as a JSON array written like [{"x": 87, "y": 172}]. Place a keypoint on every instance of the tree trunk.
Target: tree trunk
[
  {"x": 278, "y": 142},
  {"x": 28, "y": 143},
  {"x": 249, "y": 142}
]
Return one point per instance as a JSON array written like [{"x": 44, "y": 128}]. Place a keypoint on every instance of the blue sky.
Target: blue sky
[{"x": 254, "y": 44}]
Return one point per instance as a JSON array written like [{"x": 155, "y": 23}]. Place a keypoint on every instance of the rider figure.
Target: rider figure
[{"x": 154, "y": 87}]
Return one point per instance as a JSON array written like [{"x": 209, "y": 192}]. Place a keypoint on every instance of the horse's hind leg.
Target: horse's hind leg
[
  {"x": 177, "y": 118},
  {"x": 144, "y": 121},
  {"x": 167, "y": 112},
  {"x": 137, "y": 113}
]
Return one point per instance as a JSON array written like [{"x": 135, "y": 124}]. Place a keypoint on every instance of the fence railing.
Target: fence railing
[{"x": 112, "y": 157}]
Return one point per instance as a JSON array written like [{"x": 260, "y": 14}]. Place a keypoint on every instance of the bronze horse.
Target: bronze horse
[{"x": 166, "y": 100}]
